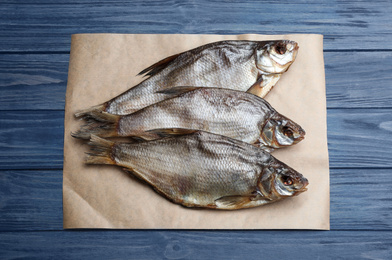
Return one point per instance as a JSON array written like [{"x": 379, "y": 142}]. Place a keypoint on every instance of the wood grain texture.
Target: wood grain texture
[
  {"x": 31, "y": 82},
  {"x": 358, "y": 79},
  {"x": 197, "y": 245},
  {"x": 38, "y": 82},
  {"x": 360, "y": 138},
  {"x": 32, "y": 200},
  {"x": 46, "y": 25},
  {"x": 35, "y": 42},
  {"x": 361, "y": 199},
  {"x": 31, "y": 140},
  {"x": 356, "y": 138}
]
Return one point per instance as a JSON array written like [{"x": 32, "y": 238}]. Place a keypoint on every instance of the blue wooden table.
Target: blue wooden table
[{"x": 34, "y": 54}]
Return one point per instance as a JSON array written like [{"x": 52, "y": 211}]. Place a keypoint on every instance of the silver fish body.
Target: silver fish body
[
  {"x": 203, "y": 170},
  {"x": 240, "y": 65},
  {"x": 239, "y": 115}
]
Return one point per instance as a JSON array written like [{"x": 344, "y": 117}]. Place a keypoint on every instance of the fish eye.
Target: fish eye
[
  {"x": 287, "y": 180},
  {"x": 280, "y": 48},
  {"x": 287, "y": 132}
]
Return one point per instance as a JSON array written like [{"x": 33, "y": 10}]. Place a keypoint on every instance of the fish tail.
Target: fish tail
[
  {"x": 98, "y": 123},
  {"x": 101, "y": 151},
  {"x": 86, "y": 112}
]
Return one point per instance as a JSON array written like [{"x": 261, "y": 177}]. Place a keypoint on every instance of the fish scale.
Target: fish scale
[
  {"x": 240, "y": 65},
  {"x": 203, "y": 170},
  {"x": 235, "y": 114}
]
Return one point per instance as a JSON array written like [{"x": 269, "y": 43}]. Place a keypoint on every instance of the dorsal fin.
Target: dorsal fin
[{"x": 159, "y": 66}]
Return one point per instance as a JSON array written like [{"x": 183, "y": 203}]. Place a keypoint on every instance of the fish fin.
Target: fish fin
[
  {"x": 140, "y": 176},
  {"x": 136, "y": 139},
  {"x": 128, "y": 170},
  {"x": 268, "y": 149},
  {"x": 233, "y": 202},
  {"x": 256, "y": 88},
  {"x": 176, "y": 91},
  {"x": 101, "y": 151},
  {"x": 265, "y": 148},
  {"x": 134, "y": 173},
  {"x": 264, "y": 85},
  {"x": 98, "y": 123},
  {"x": 158, "y": 67},
  {"x": 85, "y": 112},
  {"x": 137, "y": 175},
  {"x": 166, "y": 132}
]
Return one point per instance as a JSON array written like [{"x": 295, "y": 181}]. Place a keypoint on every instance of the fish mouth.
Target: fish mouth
[
  {"x": 294, "y": 51},
  {"x": 304, "y": 187},
  {"x": 296, "y": 46},
  {"x": 298, "y": 137},
  {"x": 297, "y": 192},
  {"x": 292, "y": 45}
]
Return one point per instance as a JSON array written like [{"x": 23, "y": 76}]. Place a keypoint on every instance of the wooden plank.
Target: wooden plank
[
  {"x": 32, "y": 82},
  {"x": 32, "y": 200},
  {"x": 357, "y": 138},
  {"x": 197, "y": 245},
  {"x": 41, "y": 26},
  {"x": 360, "y": 199},
  {"x": 360, "y": 138},
  {"x": 31, "y": 140},
  {"x": 358, "y": 79}
]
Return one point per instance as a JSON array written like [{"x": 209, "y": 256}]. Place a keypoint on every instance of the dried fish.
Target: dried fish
[
  {"x": 235, "y": 114},
  {"x": 241, "y": 65},
  {"x": 201, "y": 169}
]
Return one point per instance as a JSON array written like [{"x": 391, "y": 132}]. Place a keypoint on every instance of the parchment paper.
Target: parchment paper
[{"x": 104, "y": 65}]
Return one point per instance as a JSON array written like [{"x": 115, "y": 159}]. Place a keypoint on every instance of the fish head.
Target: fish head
[
  {"x": 279, "y": 131},
  {"x": 276, "y": 57},
  {"x": 279, "y": 181}
]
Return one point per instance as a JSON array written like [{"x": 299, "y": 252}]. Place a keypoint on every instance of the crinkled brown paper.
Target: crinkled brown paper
[{"x": 94, "y": 196}]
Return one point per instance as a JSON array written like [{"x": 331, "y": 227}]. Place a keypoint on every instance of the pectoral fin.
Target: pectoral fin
[
  {"x": 238, "y": 202},
  {"x": 265, "y": 148},
  {"x": 264, "y": 85},
  {"x": 256, "y": 88},
  {"x": 242, "y": 201}
]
